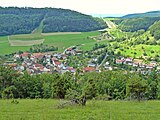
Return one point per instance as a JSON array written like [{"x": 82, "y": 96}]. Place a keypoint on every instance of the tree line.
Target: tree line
[
  {"x": 42, "y": 48},
  {"x": 107, "y": 85}
]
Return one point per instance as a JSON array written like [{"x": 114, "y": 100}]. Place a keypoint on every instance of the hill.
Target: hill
[
  {"x": 15, "y": 20},
  {"x": 141, "y": 15},
  {"x": 155, "y": 30},
  {"x": 135, "y": 24}
]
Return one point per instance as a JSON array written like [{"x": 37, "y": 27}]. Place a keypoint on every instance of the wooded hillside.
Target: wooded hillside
[{"x": 25, "y": 20}]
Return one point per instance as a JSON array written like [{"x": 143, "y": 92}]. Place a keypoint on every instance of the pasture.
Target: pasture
[
  {"x": 61, "y": 40},
  {"x": 42, "y": 109}
]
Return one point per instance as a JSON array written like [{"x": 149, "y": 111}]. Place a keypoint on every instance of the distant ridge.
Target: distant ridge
[{"x": 140, "y": 15}]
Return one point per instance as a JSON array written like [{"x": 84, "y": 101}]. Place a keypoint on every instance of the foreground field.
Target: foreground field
[{"x": 95, "y": 110}]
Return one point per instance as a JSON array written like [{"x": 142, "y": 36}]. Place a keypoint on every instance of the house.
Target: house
[
  {"x": 25, "y": 55},
  {"x": 79, "y": 52},
  {"x": 153, "y": 63},
  {"x": 118, "y": 61},
  {"x": 16, "y": 56},
  {"x": 13, "y": 65},
  {"x": 107, "y": 63},
  {"x": 137, "y": 62},
  {"x": 95, "y": 59},
  {"x": 150, "y": 66},
  {"x": 38, "y": 55},
  {"x": 69, "y": 49},
  {"x": 128, "y": 61},
  {"x": 57, "y": 63},
  {"x": 45, "y": 70},
  {"x": 88, "y": 69},
  {"x": 91, "y": 65},
  {"x": 71, "y": 69},
  {"x": 38, "y": 66}
]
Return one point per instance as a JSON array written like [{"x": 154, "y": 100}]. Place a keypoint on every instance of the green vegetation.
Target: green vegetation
[
  {"x": 141, "y": 15},
  {"x": 7, "y": 49},
  {"x": 135, "y": 24},
  {"x": 108, "y": 85},
  {"x": 27, "y": 20},
  {"x": 104, "y": 110},
  {"x": 139, "y": 44},
  {"x": 155, "y": 30},
  {"x": 42, "y": 48},
  {"x": 65, "y": 41},
  {"x": 19, "y": 20},
  {"x": 60, "y": 40},
  {"x": 69, "y": 21}
]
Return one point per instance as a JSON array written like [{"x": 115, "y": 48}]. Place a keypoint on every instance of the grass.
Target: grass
[
  {"x": 58, "y": 40},
  {"x": 5, "y": 47},
  {"x": 67, "y": 40},
  {"x": 42, "y": 109}
]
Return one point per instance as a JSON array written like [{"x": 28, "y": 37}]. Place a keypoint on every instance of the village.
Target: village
[{"x": 38, "y": 63}]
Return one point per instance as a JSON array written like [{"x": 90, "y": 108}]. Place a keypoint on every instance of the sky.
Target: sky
[{"x": 110, "y": 7}]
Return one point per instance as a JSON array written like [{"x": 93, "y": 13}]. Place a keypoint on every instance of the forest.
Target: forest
[
  {"x": 107, "y": 85},
  {"x": 135, "y": 24},
  {"x": 14, "y": 20},
  {"x": 155, "y": 30}
]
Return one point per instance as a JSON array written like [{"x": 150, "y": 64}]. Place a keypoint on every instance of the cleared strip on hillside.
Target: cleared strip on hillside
[
  {"x": 60, "y": 33},
  {"x": 25, "y": 43}
]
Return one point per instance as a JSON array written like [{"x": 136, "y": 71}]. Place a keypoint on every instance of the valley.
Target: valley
[{"x": 61, "y": 64}]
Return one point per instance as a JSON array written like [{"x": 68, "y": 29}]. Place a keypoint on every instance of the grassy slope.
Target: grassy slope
[
  {"x": 138, "y": 49},
  {"x": 95, "y": 110}
]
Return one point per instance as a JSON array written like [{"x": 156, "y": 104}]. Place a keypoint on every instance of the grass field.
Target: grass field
[
  {"x": 42, "y": 109},
  {"x": 67, "y": 40},
  {"x": 61, "y": 40}
]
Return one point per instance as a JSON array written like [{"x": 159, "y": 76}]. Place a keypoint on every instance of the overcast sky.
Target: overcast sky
[{"x": 91, "y": 6}]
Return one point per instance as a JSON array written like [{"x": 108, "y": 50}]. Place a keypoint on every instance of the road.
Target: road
[
  {"x": 110, "y": 24},
  {"x": 102, "y": 61}
]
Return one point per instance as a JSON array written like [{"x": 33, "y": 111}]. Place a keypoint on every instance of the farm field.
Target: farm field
[
  {"x": 42, "y": 109},
  {"x": 56, "y": 39},
  {"x": 67, "y": 40},
  {"x": 5, "y": 47}
]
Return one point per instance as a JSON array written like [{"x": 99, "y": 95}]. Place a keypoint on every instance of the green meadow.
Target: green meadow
[
  {"x": 41, "y": 109},
  {"x": 62, "y": 41}
]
